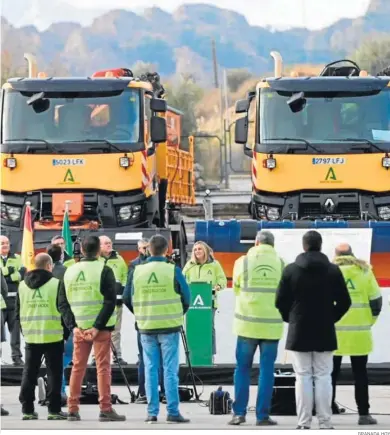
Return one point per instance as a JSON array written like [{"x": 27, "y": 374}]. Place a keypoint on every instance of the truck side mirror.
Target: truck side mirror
[
  {"x": 158, "y": 129},
  {"x": 242, "y": 106},
  {"x": 241, "y": 130},
  {"x": 158, "y": 105}
]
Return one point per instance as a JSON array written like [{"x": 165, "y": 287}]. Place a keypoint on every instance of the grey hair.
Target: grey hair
[
  {"x": 265, "y": 238},
  {"x": 143, "y": 241}
]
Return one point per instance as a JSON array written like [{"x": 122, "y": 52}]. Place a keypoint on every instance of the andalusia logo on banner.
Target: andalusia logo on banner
[{"x": 198, "y": 303}]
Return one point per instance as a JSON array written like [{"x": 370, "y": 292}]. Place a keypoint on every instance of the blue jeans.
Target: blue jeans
[
  {"x": 169, "y": 344},
  {"x": 141, "y": 370},
  {"x": 245, "y": 351},
  {"x": 68, "y": 354}
]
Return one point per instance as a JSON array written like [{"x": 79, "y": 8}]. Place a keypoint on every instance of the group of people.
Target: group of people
[
  {"x": 330, "y": 308},
  {"x": 67, "y": 308}
]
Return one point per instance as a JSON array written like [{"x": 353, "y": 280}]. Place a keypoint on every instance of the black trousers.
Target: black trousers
[
  {"x": 359, "y": 369},
  {"x": 53, "y": 353},
  {"x": 14, "y": 329}
]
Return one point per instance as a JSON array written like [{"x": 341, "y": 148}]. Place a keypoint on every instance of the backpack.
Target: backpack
[{"x": 220, "y": 402}]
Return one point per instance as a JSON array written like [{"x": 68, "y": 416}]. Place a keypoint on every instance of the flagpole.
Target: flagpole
[{"x": 67, "y": 203}]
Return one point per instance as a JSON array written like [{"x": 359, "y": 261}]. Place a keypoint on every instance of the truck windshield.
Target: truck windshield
[
  {"x": 67, "y": 119},
  {"x": 329, "y": 121}
]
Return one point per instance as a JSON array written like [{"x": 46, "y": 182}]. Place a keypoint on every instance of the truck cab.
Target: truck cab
[
  {"x": 321, "y": 145},
  {"x": 98, "y": 146}
]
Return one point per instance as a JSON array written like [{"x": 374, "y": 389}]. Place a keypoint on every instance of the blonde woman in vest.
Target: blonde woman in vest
[{"x": 204, "y": 268}]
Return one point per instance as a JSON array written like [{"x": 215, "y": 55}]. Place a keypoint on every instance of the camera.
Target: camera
[
  {"x": 174, "y": 257},
  {"x": 77, "y": 249}
]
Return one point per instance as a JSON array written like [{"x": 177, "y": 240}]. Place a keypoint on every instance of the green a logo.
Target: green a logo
[
  {"x": 198, "y": 301},
  {"x": 68, "y": 177},
  {"x": 37, "y": 294},
  {"x": 350, "y": 285},
  {"x": 153, "y": 278},
  {"x": 209, "y": 272},
  {"x": 331, "y": 175},
  {"x": 80, "y": 277}
]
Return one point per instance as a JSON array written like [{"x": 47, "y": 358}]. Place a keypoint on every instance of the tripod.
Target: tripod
[
  {"x": 115, "y": 353},
  {"x": 187, "y": 352}
]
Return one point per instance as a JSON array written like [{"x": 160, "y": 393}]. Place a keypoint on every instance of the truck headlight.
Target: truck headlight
[
  {"x": 384, "y": 212},
  {"x": 273, "y": 213},
  {"x": 261, "y": 211},
  {"x": 125, "y": 212},
  {"x": 11, "y": 213},
  {"x": 386, "y": 162},
  {"x": 129, "y": 212}
]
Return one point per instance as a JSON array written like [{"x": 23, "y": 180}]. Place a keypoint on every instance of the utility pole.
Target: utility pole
[
  {"x": 215, "y": 64},
  {"x": 222, "y": 126}
]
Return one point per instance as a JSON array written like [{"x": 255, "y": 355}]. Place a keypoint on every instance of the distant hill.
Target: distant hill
[{"x": 181, "y": 42}]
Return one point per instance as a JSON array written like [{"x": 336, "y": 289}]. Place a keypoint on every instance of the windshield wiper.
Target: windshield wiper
[
  {"x": 109, "y": 144},
  {"x": 366, "y": 142},
  {"x": 47, "y": 145},
  {"x": 307, "y": 143}
]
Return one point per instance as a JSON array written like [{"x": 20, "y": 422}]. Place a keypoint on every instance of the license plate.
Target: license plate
[
  {"x": 329, "y": 160},
  {"x": 68, "y": 162}
]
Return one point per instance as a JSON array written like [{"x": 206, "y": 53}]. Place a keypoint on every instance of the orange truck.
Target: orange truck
[{"x": 107, "y": 147}]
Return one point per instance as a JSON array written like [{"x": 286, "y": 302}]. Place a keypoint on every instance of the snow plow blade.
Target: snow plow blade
[{"x": 231, "y": 239}]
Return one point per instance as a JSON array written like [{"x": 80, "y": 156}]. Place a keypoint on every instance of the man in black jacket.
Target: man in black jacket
[
  {"x": 37, "y": 311},
  {"x": 312, "y": 297},
  {"x": 87, "y": 300}
]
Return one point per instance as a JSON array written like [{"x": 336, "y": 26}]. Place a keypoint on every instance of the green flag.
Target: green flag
[{"x": 67, "y": 235}]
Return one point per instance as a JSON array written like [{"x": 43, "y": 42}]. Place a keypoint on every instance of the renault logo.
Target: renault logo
[{"x": 329, "y": 205}]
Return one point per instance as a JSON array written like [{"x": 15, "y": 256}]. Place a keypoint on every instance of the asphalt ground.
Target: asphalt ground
[{"x": 198, "y": 413}]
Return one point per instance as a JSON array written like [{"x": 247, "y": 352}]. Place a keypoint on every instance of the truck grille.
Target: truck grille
[{"x": 349, "y": 210}]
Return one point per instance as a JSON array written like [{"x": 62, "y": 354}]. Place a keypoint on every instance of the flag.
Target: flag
[
  {"x": 67, "y": 235},
  {"x": 28, "y": 242}
]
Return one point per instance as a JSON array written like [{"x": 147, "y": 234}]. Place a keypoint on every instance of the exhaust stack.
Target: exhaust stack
[
  {"x": 278, "y": 63},
  {"x": 32, "y": 65}
]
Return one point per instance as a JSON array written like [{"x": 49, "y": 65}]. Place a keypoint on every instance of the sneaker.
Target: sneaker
[
  {"x": 30, "y": 416},
  {"x": 141, "y": 400},
  {"x": 4, "y": 412},
  {"x": 266, "y": 422},
  {"x": 111, "y": 416},
  {"x": 41, "y": 391},
  {"x": 237, "y": 420},
  {"x": 163, "y": 400},
  {"x": 365, "y": 420},
  {"x": 151, "y": 419},
  {"x": 121, "y": 361},
  {"x": 177, "y": 419},
  {"x": 74, "y": 416},
  {"x": 57, "y": 416},
  {"x": 303, "y": 427},
  {"x": 17, "y": 362}
]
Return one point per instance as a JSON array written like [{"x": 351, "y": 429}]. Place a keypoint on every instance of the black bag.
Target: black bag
[
  {"x": 90, "y": 396},
  {"x": 185, "y": 394},
  {"x": 220, "y": 402}
]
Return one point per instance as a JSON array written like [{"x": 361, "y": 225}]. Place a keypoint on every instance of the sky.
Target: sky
[{"x": 280, "y": 14}]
